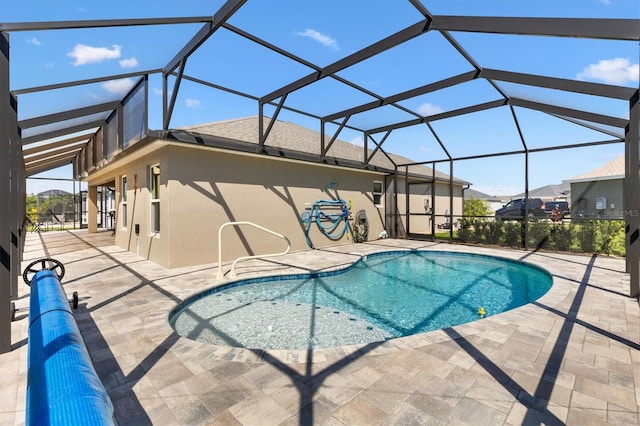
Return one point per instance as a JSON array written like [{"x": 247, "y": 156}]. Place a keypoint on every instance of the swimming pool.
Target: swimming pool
[{"x": 380, "y": 297}]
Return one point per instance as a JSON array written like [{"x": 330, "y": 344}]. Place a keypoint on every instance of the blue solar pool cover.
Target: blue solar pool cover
[{"x": 63, "y": 388}]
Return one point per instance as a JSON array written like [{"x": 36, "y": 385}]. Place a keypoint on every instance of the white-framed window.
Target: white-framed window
[
  {"x": 123, "y": 202},
  {"x": 377, "y": 193},
  {"x": 154, "y": 190}
]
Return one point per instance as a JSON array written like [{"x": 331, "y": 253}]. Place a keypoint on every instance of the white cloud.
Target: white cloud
[
  {"x": 118, "y": 87},
  {"x": 611, "y": 71},
  {"x": 320, "y": 38},
  {"x": 427, "y": 109},
  {"x": 357, "y": 141},
  {"x": 34, "y": 41},
  {"x": 192, "y": 103},
  {"x": 94, "y": 96},
  {"x": 158, "y": 92},
  {"x": 84, "y": 54},
  {"x": 498, "y": 190},
  {"x": 129, "y": 63}
]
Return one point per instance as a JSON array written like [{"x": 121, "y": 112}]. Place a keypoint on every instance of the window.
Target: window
[
  {"x": 154, "y": 189},
  {"x": 377, "y": 193},
  {"x": 123, "y": 202}
]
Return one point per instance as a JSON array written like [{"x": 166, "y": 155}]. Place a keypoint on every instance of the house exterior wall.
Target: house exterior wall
[
  {"x": 588, "y": 197},
  {"x": 419, "y": 223},
  {"x": 153, "y": 246},
  {"x": 201, "y": 189}
]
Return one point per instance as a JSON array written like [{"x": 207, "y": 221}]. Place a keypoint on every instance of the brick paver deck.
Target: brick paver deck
[{"x": 569, "y": 358}]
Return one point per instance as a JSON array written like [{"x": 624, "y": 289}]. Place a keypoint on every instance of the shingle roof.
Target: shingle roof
[
  {"x": 548, "y": 191},
  {"x": 291, "y": 136},
  {"x": 472, "y": 193},
  {"x": 612, "y": 170}
]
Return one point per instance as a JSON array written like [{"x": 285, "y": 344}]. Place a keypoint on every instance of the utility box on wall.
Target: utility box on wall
[{"x": 601, "y": 203}]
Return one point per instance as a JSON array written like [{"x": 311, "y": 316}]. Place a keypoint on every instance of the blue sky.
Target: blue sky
[{"x": 322, "y": 32}]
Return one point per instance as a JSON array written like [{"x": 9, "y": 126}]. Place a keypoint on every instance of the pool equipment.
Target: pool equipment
[
  {"x": 328, "y": 223},
  {"x": 360, "y": 227},
  {"x": 63, "y": 388}
]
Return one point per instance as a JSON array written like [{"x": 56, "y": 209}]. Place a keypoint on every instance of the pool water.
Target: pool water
[{"x": 382, "y": 296}]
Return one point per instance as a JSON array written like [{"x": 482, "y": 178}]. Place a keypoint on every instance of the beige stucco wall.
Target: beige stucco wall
[
  {"x": 209, "y": 188},
  {"x": 146, "y": 244},
  {"x": 585, "y": 194},
  {"x": 201, "y": 189}
]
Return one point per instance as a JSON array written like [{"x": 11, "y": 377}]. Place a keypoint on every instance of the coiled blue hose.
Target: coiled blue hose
[{"x": 328, "y": 223}]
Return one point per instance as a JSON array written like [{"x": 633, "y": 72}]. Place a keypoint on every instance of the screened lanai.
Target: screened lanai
[{"x": 458, "y": 92}]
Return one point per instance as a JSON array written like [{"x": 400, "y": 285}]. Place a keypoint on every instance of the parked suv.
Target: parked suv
[{"x": 515, "y": 209}]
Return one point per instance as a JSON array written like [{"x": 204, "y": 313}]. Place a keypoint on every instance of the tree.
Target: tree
[
  {"x": 474, "y": 207},
  {"x": 32, "y": 202}
]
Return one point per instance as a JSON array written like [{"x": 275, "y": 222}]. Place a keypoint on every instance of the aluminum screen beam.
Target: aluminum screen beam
[
  {"x": 454, "y": 43},
  {"x": 224, "y": 13},
  {"x": 269, "y": 46},
  {"x": 591, "y": 126},
  {"x": 29, "y": 163},
  {"x": 61, "y": 132},
  {"x": 17, "y": 200},
  {"x": 587, "y": 88},
  {"x": 67, "y": 115},
  {"x": 608, "y": 29},
  {"x": 53, "y": 164},
  {"x": 366, "y": 53},
  {"x": 288, "y": 55},
  {"x": 245, "y": 95},
  {"x": 102, "y": 23},
  {"x": 631, "y": 196},
  {"x": 53, "y": 154},
  {"x": 83, "y": 82},
  {"x": 167, "y": 110},
  {"x": 427, "y": 88},
  {"x": 579, "y": 114},
  {"x": 52, "y": 161},
  {"x": 441, "y": 116},
  {"x": 6, "y": 165},
  {"x": 54, "y": 145}
]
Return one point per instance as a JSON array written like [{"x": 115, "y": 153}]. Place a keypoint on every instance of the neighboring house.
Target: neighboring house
[
  {"x": 599, "y": 193},
  {"x": 492, "y": 202},
  {"x": 560, "y": 192},
  {"x": 174, "y": 190}
]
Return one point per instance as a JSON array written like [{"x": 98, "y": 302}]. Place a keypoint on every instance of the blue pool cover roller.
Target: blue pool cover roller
[{"x": 63, "y": 388}]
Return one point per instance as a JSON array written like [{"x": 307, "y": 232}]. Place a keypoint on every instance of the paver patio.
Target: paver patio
[{"x": 569, "y": 358}]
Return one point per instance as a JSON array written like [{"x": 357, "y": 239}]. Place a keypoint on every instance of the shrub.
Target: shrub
[
  {"x": 589, "y": 236},
  {"x": 586, "y": 237},
  {"x": 480, "y": 231},
  {"x": 607, "y": 232},
  {"x": 539, "y": 235},
  {"x": 464, "y": 231},
  {"x": 495, "y": 232},
  {"x": 513, "y": 234},
  {"x": 562, "y": 236}
]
